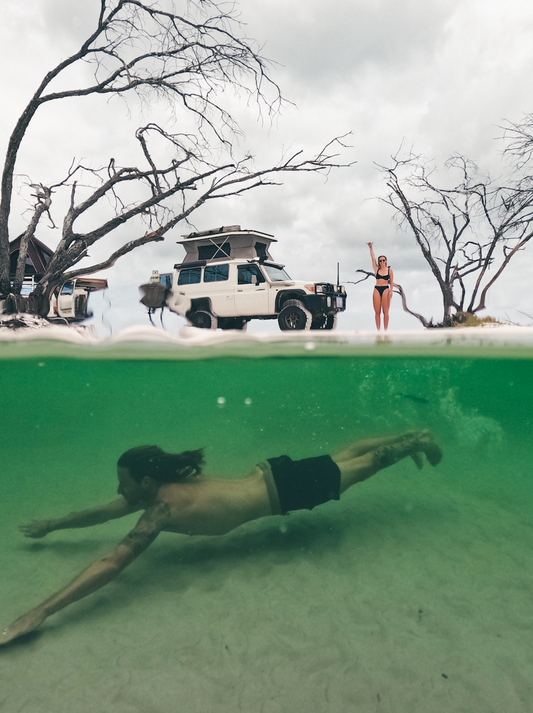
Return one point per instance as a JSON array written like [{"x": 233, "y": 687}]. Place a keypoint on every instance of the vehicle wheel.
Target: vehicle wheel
[
  {"x": 203, "y": 320},
  {"x": 331, "y": 321},
  {"x": 324, "y": 321},
  {"x": 319, "y": 321},
  {"x": 294, "y": 316}
]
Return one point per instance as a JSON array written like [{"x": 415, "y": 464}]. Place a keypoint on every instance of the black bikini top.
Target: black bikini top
[{"x": 383, "y": 277}]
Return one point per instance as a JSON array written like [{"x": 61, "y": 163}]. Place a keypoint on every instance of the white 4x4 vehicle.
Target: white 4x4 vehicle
[{"x": 228, "y": 277}]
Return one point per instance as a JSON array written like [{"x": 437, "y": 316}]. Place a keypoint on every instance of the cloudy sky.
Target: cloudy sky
[{"x": 440, "y": 76}]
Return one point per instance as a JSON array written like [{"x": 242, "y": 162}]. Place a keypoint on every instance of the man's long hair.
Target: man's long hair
[{"x": 162, "y": 467}]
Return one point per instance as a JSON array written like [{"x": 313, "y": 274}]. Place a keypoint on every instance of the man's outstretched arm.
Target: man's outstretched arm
[
  {"x": 84, "y": 518},
  {"x": 97, "y": 575}
]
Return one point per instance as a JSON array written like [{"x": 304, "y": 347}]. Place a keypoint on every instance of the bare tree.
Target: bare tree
[
  {"x": 467, "y": 232},
  {"x": 189, "y": 58}
]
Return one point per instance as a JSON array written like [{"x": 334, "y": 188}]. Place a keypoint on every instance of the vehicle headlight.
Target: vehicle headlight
[{"x": 319, "y": 289}]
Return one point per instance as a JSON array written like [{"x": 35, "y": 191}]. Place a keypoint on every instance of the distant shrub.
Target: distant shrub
[{"x": 467, "y": 319}]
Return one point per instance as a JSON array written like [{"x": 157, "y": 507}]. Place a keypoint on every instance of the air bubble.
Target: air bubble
[
  {"x": 221, "y": 401},
  {"x": 247, "y": 402}
]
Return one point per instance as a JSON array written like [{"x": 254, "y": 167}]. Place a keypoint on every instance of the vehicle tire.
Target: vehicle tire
[
  {"x": 294, "y": 316},
  {"x": 324, "y": 321},
  {"x": 331, "y": 321},
  {"x": 203, "y": 320},
  {"x": 319, "y": 321}
]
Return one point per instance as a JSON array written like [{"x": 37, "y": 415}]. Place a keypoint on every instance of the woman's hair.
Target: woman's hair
[{"x": 162, "y": 467}]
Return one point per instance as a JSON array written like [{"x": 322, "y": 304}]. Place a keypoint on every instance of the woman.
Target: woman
[{"x": 383, "y": 289}]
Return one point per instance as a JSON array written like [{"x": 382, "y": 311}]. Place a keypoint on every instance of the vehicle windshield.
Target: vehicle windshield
[{"x": 275, "y": 273}]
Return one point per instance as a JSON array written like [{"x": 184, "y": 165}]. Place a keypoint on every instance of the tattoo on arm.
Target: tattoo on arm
[{"x": 147, "y": 529}]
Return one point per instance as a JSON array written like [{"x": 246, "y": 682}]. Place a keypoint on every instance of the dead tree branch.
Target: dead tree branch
[
  {"x": 467, "y": 228},
  {"x": 189, "y": 54}
]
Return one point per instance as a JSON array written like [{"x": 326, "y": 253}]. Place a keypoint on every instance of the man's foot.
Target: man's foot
[
  {"x": 430, "y": 448},
  {"x": 411, "y": 444}
]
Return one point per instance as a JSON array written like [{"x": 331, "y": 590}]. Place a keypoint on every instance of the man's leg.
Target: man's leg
[
  {"x": 359, "y": 448},
  {"x": 385, "y": 452}
]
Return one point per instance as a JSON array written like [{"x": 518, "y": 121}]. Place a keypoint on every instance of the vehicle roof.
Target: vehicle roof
[
  {"x": 226, "y": 231},
  {"x": 228, "y": 261}
]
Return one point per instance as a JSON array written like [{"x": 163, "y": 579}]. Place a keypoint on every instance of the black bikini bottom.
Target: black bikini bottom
[{"x": 381, "y": 289}]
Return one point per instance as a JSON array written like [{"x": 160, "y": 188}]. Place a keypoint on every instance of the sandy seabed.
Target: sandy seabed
[{"x": 408, "y": 595}]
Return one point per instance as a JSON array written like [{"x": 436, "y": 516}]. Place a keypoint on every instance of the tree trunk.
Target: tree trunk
[{"x": 31, "y": 304}]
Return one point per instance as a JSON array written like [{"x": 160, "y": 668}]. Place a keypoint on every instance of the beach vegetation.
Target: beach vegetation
[{"x": 467, "y": 319}]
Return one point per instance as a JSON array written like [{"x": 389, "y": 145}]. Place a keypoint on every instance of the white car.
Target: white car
[
  {"x": 68, "y": 302},
  {"x": 228, "y": 277}
]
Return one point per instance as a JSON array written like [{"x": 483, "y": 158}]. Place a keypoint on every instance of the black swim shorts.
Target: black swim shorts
[{"x": 301, "y": 484}]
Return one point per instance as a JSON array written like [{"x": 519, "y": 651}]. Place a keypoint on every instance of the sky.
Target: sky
[{"x": 440, "y": 76}]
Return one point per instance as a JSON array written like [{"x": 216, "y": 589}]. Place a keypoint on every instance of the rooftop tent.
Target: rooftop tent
[
  {"x": 229, "y": 242},
  {"x": 37, "y": 258}
]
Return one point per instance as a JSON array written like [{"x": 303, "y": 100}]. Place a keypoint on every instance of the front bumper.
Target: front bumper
[{"x": 327, "y": 303}]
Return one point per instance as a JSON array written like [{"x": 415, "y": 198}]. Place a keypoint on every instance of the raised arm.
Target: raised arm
[
  {"x": 97, "y": 575},
  {"x": 84, "y": 518},
  {"x": 374, "y": 261}
]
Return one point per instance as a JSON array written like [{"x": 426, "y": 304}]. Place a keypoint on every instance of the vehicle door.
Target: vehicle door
[
  {"x": 220, "y": 289},
  {"x": 251, "y": 294},
  {"x": 65, "y": 300}
]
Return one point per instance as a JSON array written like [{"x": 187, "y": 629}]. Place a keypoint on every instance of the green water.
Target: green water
[{"x": 412, "y": 592}]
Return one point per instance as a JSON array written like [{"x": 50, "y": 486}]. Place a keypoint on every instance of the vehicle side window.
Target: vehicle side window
[
  {"x": 166, "y": 280},
  {"x": 216, "y": 273},
  {"x": 190, "y": 275},
  {"x": 246, "y": 272},
  {"x": 68, "y": 288}
]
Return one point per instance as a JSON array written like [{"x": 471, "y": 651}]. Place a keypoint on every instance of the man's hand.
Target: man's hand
[
  {"x": 23, "y": 625},
  {"x": 35, "y": 528}
]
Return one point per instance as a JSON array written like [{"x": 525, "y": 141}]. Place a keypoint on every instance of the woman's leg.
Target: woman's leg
[
  {"x": 376, "y": 301},
  {"x": 385, "y": 305}
]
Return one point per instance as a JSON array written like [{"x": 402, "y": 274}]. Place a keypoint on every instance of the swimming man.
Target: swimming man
[{"x": 176, "y": 497}]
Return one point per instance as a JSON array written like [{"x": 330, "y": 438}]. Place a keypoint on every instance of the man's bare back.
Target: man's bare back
[{"x": 203, "y": 505}]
